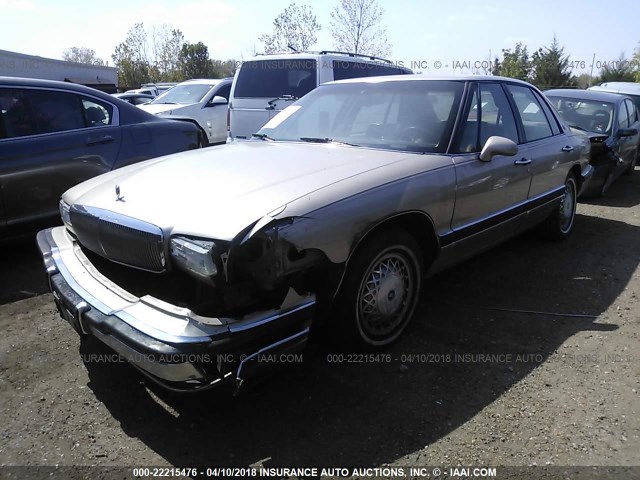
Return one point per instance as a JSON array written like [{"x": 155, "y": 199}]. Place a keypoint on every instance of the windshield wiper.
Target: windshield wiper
[
  {"x": 166, "y": 103},
  {"x": 579, "y": 128},
  {"x": 326, "y": 140},
  {"x": 262, "y": 136},
  {"x": 271, "y": 104}
]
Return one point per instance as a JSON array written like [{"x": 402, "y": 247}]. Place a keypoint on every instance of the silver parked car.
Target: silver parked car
[
  {"x": 201, "y": 102},
  {"x": 195, "y": 265}
]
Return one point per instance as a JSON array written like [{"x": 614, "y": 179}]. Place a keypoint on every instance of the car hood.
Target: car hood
[
  {"x": 157, "y": 108},
  {"x": 218, "y": 191}
]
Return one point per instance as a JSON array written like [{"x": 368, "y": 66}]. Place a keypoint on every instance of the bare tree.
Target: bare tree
[
  {"x": 82, "y": 55},
  {"x": 295, "y": 27},
  {"x": 132, "y": 58},
  {"x": 166, "y": 46},
  {"x": 356, "y": 27}
]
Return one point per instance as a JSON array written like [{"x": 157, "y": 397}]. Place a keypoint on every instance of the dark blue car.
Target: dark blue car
[
  {"x": 54, "y": 135},
  {"x": 611, "y": 121}
]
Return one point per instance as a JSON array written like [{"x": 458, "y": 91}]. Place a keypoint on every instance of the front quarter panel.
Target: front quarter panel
[{"x": 338, "y": 226}]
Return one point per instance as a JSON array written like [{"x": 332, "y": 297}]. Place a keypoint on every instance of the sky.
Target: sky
[{"x": 461, "y": 35}]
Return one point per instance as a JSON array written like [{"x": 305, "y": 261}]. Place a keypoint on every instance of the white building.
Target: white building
[{"x": 14, "y": 64}]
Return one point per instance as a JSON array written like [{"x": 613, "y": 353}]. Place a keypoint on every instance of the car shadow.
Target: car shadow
[
  {"x": 464, "y": 349},
  {"x": 21, "y": 271},
  {"x": 624, "y": 192}
]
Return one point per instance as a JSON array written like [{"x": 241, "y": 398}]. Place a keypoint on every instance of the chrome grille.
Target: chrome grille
[{"x": 119, "y": 238}]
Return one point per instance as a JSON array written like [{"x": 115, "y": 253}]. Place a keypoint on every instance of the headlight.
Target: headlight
[
  {"x": 195, "y": 256},
  {"x": 64, "y": 213}
]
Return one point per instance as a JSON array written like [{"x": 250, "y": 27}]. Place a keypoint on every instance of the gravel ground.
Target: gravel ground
[{"x": 472, "y": 382}]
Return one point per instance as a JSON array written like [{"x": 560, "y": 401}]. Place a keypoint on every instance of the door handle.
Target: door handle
[
  {"x": 568, "y": 148},
  {"x": 522, "y": 161},
  {"x": 100, "y": 139}
]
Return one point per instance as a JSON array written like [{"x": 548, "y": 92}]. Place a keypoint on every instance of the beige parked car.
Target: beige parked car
[{"x": 195, "y": 265}]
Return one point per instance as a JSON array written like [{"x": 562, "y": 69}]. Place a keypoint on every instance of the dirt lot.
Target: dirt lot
[{"x": 559, "y": 389}]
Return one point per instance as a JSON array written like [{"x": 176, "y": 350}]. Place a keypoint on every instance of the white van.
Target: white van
[{"x": 266, "y": 84}]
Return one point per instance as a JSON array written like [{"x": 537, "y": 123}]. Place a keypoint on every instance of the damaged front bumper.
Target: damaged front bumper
[{"x": 173, "y": 346}]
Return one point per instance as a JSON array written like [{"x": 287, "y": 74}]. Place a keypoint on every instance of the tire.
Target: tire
[
  {"x": 559, "y": 225},
  {"x": 202, "y": 140},
  {"x": 380, "y": 292},
  {"x": 632, "y": 166}
]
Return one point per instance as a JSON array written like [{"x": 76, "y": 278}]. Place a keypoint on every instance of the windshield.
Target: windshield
[
  {"x": 184, "y": 94},
  {"x": 590, "y": 115},
  {"x": 414, "y": 116},
  {"x": 275, "y": 78}
]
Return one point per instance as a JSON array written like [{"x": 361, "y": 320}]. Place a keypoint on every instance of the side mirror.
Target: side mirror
[
  {"x": 217, "y": 100},
  {"x": 627, "y": 132},
  {"x": 497, "y": 146}
]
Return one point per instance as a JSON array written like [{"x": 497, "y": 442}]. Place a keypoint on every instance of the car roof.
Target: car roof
[
  {"x": 36, "y": 82},
  {"x": 585, "y": 95},
  {"x": 132, "y": 94},
  {"x": 428, "y": 78},
  {"x": 326, "y": 55},
  {"x": 202, "y": 81},
  {"x": 618, "y": 87}
]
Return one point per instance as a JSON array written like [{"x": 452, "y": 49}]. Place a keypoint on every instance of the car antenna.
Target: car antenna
[{"x": 294, "y": 50}]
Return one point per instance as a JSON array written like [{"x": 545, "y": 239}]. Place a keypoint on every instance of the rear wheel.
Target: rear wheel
[
  {"x": 380, "y": 292},
  {"x": 559, "y": 224}
]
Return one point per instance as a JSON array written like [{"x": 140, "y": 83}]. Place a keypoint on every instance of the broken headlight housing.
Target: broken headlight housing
[
  {"x": 64, "y": 213},
  {"x": 196, "y": 257}
]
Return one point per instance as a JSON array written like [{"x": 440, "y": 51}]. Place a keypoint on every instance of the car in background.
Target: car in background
[
  {"x": 161, "y": 86},
  {"x": 629, "y": 89},
  {"x": 152, "y": 90},
  {"x": 266, "y": 84},
  {"x": 611, "y": 121},
  {"x": 335, "y": 212},
  {"x": 54, "y": 135},
  {"x": 201, "y": 102},
  {"x": 134, "y": 98}
]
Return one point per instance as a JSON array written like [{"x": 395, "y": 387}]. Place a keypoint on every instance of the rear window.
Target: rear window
[{"x": 275, "y": 78}]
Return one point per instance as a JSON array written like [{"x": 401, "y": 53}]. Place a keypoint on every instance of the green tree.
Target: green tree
[
  {"x": 584, "y": 80},
  {"x": 620, "y": 70},
  {"x": 225, "y": 68},
  {"x": 356, "y": 27},
  {"x": 132, "y": 59},
  {"x": 295, "y": 27},
  {"x": 551, "y": 67},
  {"x": 514, "y": 64},
  {"x": 82, "y": 55},
  {"x": 194, "y": 61},
  {"x": 636, "y": 64}
]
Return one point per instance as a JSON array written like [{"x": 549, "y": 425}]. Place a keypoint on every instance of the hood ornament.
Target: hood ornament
[{"x": 119, "y": 198}]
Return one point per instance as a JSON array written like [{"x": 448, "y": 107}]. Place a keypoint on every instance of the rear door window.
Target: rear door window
[
  {"x": 276, "y": 78},
  {"x": 97, "y": 114}
]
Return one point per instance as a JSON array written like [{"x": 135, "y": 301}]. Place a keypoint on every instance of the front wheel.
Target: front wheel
[
  {"x": 202, "y": 139},
  {"x": 632, "y": 166},
  {"x": 559, "y": 224},
  {"x": 380, "y": 292}
]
